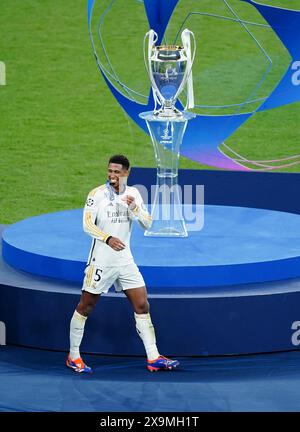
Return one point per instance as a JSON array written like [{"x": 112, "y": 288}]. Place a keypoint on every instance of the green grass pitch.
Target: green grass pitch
[{"x": 59, "y": 123}]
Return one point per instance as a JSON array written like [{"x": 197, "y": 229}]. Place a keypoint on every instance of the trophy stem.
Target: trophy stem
[{"x": 166, "y": 208}]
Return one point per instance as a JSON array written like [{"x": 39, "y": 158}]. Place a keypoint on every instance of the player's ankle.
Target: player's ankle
[{"x": 74, "y": 355}]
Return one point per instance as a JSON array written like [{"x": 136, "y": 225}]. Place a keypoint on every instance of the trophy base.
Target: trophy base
[
  {"x": 159, "y": 229},
  {"x": 168, "y": 113},
  {"x": 159, "y": 116},
  {"x": 166, "y": 134},
  {"x": 165, "y": 233}
]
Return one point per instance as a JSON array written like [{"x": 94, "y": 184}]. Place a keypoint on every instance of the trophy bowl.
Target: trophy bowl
[
  {"x": 170, "y": 70},
  {"x": 168, "y": 67}
]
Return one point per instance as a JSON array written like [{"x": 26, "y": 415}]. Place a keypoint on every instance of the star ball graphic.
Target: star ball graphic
[{"x": 206, "y": 133}]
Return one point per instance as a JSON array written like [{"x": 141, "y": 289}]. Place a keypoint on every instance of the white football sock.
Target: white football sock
[
  {"x": 146, "y": 332},
  {"x": 76, "y": 334}
]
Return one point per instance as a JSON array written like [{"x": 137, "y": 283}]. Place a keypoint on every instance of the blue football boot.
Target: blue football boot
[{"x": 161, "y": 363}]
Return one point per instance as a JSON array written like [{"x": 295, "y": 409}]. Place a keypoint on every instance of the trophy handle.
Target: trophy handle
[
  {"x": 186, "y": 42},
  {"x": 152, "y": 38}
]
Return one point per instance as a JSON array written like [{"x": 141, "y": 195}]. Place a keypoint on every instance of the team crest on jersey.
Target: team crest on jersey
[{"x": 89, "y": 202}]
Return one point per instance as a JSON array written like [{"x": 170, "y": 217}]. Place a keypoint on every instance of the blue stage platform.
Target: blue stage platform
[
  {"x": 236, "y": 245},
  {"x": 231, "y": 288}
]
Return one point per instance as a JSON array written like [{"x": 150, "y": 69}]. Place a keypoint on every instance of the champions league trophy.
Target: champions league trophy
[{"x": 170, "y": 69}]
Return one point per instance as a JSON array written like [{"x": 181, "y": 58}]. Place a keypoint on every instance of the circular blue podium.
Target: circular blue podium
[
  {"x": 236, "y": 245},
  {"x": 231, "y": 288}
]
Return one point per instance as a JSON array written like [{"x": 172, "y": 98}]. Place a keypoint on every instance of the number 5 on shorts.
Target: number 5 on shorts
[{"x": 97, "y": 275}]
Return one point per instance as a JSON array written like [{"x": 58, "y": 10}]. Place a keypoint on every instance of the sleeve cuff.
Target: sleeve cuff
[{"x": 106, "y": 238}]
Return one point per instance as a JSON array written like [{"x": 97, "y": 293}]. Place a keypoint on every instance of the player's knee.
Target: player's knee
[
  {"x": 85, "y": 308},
  {"x": 142, "y": 307}
]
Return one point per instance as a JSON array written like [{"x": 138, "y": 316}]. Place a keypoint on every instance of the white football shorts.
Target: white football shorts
[{"x": 98, "y": 280}]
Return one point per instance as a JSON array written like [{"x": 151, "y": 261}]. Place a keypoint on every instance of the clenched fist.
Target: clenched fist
[{"x": 130, "y": 201}]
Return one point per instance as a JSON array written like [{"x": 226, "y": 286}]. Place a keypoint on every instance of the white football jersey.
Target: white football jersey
[{"x": 106, "y": 214}]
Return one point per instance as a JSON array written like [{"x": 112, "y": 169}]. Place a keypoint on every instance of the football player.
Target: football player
[{"x": 108, "y": 215}]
